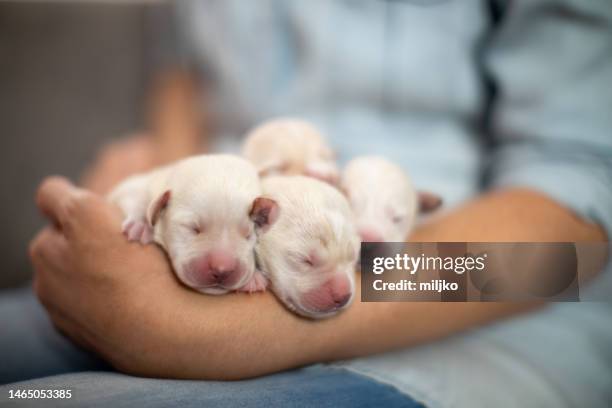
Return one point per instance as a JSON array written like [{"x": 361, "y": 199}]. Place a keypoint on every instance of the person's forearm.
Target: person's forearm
[
  {"x": 516, "y": 215},
  {"x": 249, "y": 336},
  {"x": 254, "y": 335},
  {"x": 175, "y": 115},
  {"x": 502, "y": 216}
]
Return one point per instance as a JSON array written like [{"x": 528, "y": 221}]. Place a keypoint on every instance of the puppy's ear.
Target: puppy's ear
[
  {"x": 428, "y": 202},
  {"x": 156, "y": 207},
  {"x": 323, "y": 171},
  {"x": 345, "y": 192},
  {"x": 271, "y": 168},
  {"x": 264, "y": 213}
]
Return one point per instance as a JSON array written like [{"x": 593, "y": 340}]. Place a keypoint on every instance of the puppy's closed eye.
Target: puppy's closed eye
[
  {"x": 298, "y": 258},
  {"x": 307, "y": 261},
  {"x": 397, "y": 219},
  {"x": 193, "y": 228}
]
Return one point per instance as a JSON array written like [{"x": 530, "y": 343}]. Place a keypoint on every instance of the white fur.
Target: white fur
[
  {"x": 290, "y": 147},
  {"x": 211, "y": 192},
  {"x": 382, "y": 197},
  {"x": 313, "y": 217}
]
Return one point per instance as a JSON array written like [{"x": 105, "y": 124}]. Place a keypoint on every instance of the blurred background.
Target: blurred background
[
  {"x": 444, "y": 88},
  {"x": 426, "y": 74},
  {"x": 72, "y": 76}
]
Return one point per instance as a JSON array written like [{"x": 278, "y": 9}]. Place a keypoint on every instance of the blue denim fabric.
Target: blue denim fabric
[
  {"x": 30, "y": 348},
  {"x": 406, "y": 79},
  {"x": 317, "y": 386}
]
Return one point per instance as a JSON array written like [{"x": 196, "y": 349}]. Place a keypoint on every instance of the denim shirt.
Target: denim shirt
[
  {"x": 466, "y": 96},
  {"x": 411, "y": 80}
]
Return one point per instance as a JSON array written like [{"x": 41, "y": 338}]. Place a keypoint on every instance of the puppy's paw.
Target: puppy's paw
[
  {"x": 137, "y": 230},
  {"x": 258, "y": 283}
]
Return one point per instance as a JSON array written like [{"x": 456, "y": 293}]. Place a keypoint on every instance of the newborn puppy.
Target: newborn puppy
[
  {"x": 290, "y": 147},
  {"x": 383, "y": 199},
  {"x": 310, "y": 252},
  {"x": 205, "y": 212}
]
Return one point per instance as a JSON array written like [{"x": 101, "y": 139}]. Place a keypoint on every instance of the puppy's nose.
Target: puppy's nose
[
  {"x": 370, "y": 235},
  {"x": 221, "y": 262},
  {"x": 341, "y": 299},
  {"x": 220, "y": 276},
  {"x": 329, "y": 297},
  {"x": 222, "y": 266},
  {"x": 339, "y": 289}
]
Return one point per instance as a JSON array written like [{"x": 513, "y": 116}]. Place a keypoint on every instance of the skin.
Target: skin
[{"x": 122, "y": 300}]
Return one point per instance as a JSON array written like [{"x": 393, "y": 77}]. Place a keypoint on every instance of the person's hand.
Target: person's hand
[
  {"x": 106, "y": 294},
  {"x": 120, "y": 159},
  {"x": 123, "y": 301}
]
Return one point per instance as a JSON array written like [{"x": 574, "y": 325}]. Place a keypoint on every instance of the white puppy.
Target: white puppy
[
  {"x": 290, "y": 147},
  {"x": 383, "y": 199},
  {"x": 205, "y": 212},
  {"x": 310, "y": 252}
]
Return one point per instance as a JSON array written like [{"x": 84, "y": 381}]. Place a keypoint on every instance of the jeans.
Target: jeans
[{"x": 34, "y": 356}]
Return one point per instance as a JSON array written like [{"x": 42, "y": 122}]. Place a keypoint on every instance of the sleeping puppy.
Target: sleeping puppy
[
  {"x": 290, "y": 147},
  {"x": 310, "y": 252},
  {"x": 383, "y": 199},
  {"x": 206, "y": 213}
]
